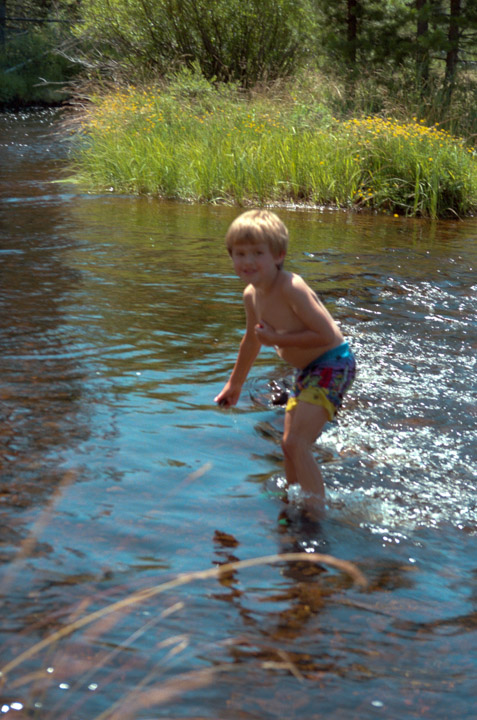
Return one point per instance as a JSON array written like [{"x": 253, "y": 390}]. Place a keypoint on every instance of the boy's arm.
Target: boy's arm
[
  {"x": 248, "y": 351},
  {"x": 320, "y": 328}
]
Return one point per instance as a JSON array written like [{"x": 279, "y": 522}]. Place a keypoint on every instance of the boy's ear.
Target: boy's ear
[{"x": 280, "y": 258}]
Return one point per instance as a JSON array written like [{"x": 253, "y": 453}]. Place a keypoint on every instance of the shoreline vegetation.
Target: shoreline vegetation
[
  {"x": 360, "y": 104},
  {"x": 195, "y": 140}
]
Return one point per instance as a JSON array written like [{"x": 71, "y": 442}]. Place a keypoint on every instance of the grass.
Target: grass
[
  {"x": 108, "y": 655},
  {"x": 344, "y": 566},
  {"x": 193, "y": 141},
  {"x": 35, "y": 674},
  {"x": 413, "y": 169}
]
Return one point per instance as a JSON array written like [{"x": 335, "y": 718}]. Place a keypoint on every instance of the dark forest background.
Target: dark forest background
[{"x": 421, "y": 54}]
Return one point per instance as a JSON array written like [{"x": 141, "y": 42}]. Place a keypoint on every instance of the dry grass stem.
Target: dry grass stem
[
  {"x": 183, "y": 579},
  {"x": 138, "y": 699},
  {"x": 28, "y": 544}
]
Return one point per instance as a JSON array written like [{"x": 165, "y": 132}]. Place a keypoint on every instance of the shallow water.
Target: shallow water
[{"x": 120, "y": 320}]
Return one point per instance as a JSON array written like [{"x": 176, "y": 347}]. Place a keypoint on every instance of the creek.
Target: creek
[{"x": 120, "y": 321}]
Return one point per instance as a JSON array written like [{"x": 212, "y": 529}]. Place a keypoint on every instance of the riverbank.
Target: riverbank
[{"x": 194, "y": 141}]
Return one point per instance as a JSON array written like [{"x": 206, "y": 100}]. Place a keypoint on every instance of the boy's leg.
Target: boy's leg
[{"x": 303, "y": 424}]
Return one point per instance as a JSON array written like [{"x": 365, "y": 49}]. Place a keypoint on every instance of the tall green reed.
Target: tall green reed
[{"x": 225, "y": 147}]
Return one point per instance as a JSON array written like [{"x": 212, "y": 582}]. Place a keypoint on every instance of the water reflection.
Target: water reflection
[
  {"x": 41, "y": 385},
  {"x": 120, "y": 320}
]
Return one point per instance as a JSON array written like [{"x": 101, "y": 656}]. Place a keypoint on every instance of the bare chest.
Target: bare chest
[{"x": 275, "y": 311}]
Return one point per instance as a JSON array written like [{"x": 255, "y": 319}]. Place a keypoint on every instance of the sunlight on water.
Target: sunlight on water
[
  {"x": 406, "y": 457},
  {"x": 120, "y": 322}
]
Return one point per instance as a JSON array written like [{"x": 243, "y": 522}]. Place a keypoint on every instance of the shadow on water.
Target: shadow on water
[
  {"x": 41, "y": 386},
  {"x": 120, "y": 479}
]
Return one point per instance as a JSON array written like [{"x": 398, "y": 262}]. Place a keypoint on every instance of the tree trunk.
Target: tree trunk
[
  {"x": 422, "y": 50},
  {"x": 352, "y": 31},
  {"x": 3, "y": 12},
  {"x": 453, "y": 37}
]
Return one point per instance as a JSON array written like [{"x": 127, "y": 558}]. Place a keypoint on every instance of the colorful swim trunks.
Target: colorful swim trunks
[{"x": 325, "y": 380}]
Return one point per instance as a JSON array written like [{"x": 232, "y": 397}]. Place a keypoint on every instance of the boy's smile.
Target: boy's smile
[{"x": 255, "y": 264}]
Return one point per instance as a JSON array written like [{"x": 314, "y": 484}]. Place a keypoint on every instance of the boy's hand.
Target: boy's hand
[
  {"x": 228, "y": 396},
  {"x": 265, "y": 333}
]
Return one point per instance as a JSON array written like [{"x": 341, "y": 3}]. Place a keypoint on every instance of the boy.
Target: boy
[{"x": 283, "y": 311}]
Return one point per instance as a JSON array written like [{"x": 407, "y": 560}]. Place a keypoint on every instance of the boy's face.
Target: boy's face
[{"x": 255, "y": 264}]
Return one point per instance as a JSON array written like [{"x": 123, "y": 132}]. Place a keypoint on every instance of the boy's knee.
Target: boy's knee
[{"x": 291, "y": 445}]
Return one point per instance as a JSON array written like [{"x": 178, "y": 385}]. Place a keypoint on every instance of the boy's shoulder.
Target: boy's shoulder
[{"x": 291, "y": 282}]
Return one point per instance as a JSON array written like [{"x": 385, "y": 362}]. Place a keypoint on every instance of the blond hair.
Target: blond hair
[{"x": 257, "y": 226}]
